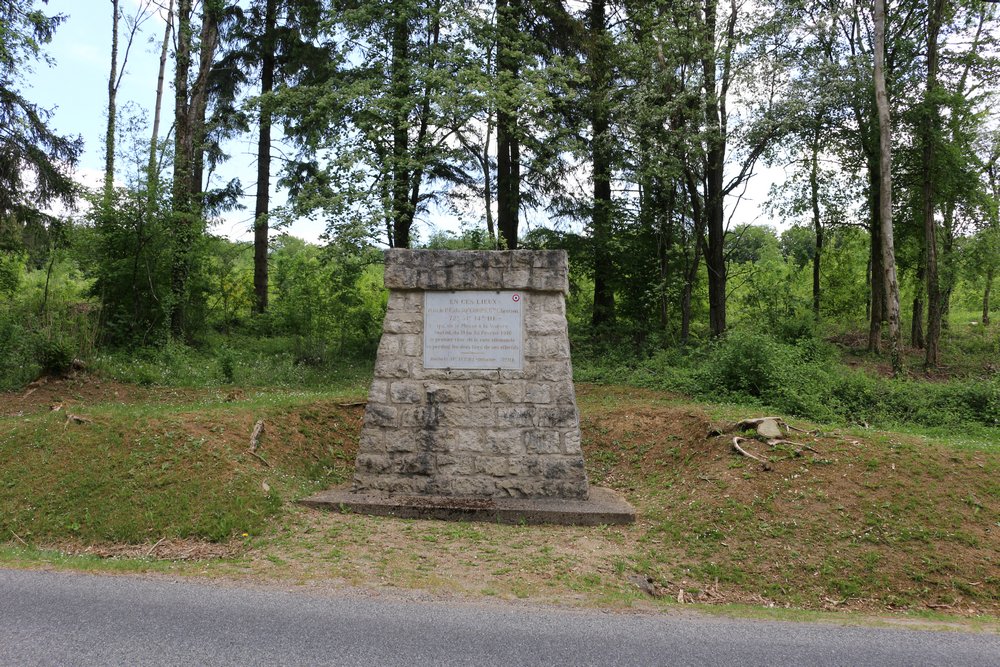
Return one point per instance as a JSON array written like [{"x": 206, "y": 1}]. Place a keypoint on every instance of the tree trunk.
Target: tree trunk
[
  {"x": 508, "y": 143},
  {"x": 817, "y": 219},
  {"x": 152, "y": 170},
  {"x": 420, "y": 148},
  {"x": 262, "y": 206},
  {"x": 917, "y": 321},
  {"x": 876, "y": 294},
  {"x": 109, "y": 138},
  {"x": 484, "y": 160},
  {"x": 604, "y": 294},
  {"x": 181, "y": 219},
  {"x": 986, "y": 297},
  {"x": 691, "y": 276},
  {"x": 400, "y": 75},
  {"x": 199, "y": 100},
  {"x": 190, "y": 108},
  {"x": 885, "y": 192},
  {"x": 665, "y": 239},
  {"x": 715, "y": 258},
  {"x": 929, "y": 131}
]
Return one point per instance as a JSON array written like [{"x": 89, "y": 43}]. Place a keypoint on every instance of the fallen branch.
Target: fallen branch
[
  {"x": 740, "y": 450},
  {"x": 781, "y": 441},
  {"x": 355, "y": 404},
  {"x": 153, "y": 548},
  {"x": 258, "y": 428},
  {"x": 259, "y": 458},
  {"x": 18, "y": 538},
  {"x": 77, "y": 419}
]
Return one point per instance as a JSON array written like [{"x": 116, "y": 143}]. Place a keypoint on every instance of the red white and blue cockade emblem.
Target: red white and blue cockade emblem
[{"x": 516, "y": 298}]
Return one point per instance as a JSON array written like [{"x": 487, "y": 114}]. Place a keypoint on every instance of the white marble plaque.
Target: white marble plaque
[{"x": 474, "y": 330}]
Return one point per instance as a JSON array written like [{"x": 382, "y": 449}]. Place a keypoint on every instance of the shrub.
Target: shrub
[{"x": 54, "y": 355}]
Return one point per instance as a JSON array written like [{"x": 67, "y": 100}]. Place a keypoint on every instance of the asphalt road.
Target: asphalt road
[{"x": 74, "y": 619}]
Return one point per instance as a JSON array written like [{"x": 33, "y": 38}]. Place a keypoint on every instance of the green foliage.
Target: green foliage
[
  {"x": 34, "y": 161},
  {"x": 17, "y": 363},
  {"x": 54, "y": 355},
  {"x": 250, "y": 361},
  {"x": 11, "y": 273},
  {"x": 46, "y": 320},
  {"x": 799, "y": 378},
  {"x": 331, "y": 301},
  {"x": 131, "y": 271}
]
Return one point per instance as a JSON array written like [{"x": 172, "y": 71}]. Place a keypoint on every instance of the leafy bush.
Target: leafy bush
[
  {"x": 803, "y": 379},
  {"x": 17, "y": 361},
  {"x": 54, "y": 355}
]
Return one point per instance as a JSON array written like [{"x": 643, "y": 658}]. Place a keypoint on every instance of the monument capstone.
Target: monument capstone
[{"x": 472, "y": 412}]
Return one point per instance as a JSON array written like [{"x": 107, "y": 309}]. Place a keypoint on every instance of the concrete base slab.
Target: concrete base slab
[{"x": 604, "y": 506}]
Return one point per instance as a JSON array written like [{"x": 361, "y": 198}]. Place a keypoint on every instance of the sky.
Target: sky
[{"x": 74, "y": 88}]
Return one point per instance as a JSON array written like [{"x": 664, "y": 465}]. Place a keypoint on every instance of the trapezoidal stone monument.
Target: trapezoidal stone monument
[{"x": 472, "y": 412}]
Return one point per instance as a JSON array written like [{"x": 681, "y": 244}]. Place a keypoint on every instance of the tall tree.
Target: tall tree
[
  {"x": 885, "y": 191},
  {"x": 190, "y": 109},
  {"x": 267, "y": 45},
  {"x": 144, "y": 10},
  {"x": 599, "y": 74},
  {"x": 929, "y": 130},
  {"x": 35, "y": 162}
]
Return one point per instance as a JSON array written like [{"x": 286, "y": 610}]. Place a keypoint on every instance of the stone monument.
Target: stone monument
[{"x": 472, "y": 412}]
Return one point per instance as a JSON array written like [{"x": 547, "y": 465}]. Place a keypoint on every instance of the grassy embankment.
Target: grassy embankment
[{"x": 160, "y": 479}]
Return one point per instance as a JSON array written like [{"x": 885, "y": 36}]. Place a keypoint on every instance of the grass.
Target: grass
[{"x": 159, "y": 479}]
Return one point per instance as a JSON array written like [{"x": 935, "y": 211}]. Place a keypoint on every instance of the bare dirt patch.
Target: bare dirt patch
[{"x": 83, "y": 390}]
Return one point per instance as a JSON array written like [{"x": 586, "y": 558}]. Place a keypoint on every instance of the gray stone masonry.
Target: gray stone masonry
[{"x": 473, "y": 433}]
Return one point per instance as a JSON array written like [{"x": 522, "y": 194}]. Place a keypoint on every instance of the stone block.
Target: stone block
[
  {"x": 417, "y": 372},
  {"x": 403, "y": 323},
  {"x": 515, "y": 416},
  {"x": 378, "y": 392},
  {"x": 445, "y": 393},
  {"x": 456, "y": 465},
  {"x": 525, "y": 466},
  {"x": 388, "y": 346},
  {"x": 406, "y": 392},
  {"x": 558, "y": 416},
  {"x": 545, "y": 325},
  {"x": 401, "y": 442},
  {"x": 409, "y": 301},
  {"x": 380, "y": 415},
  {"x": 494, "y": 466},
  {"x": 537, "y": 393},
  {"x": 518, "y": 278},
  {"x": 508, "y": 392},
  {"x": 571, "y": 443},
  {"x": 538, "y": 441},
  {"x": 373, "y": 464},
  {"x": 473, "y": 486},
  {"x": 372, "y": 440},
  {"x": 563, "y": 393},
  {"x": 414, "y": 464},
  {"x": 479, "y": 393},
  {"x": 458, "y": 415},
  {"x": 411, "y": 345},
  {"x": 468, "y": 440},
  {"x": 505, "y": 442},
  {"x": 391, "y": 367}
]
